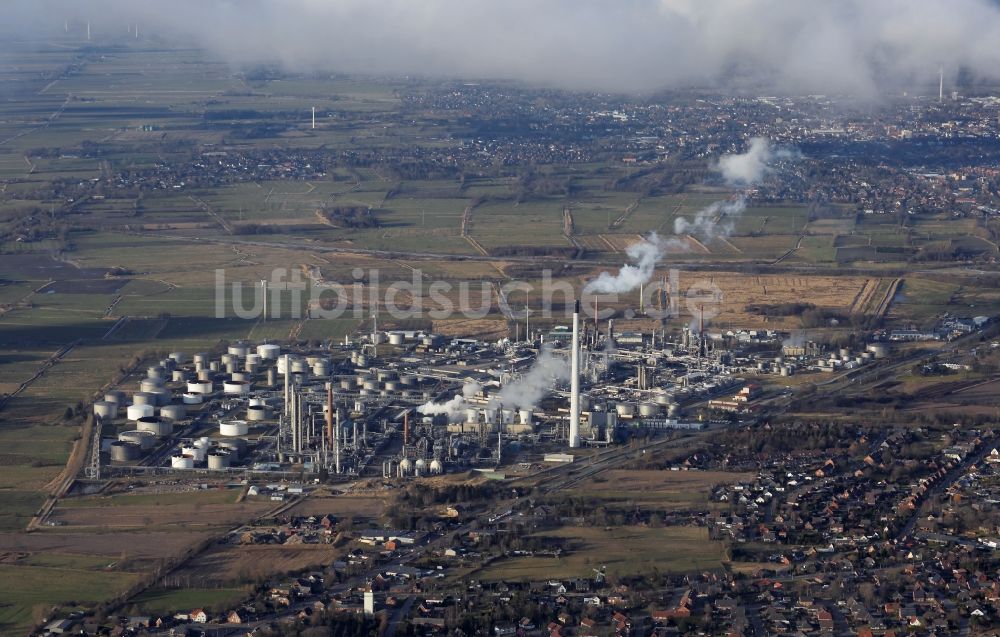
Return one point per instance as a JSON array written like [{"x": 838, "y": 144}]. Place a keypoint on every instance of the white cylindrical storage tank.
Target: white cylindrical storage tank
[
  {"x": 116, "y": 396},
  {"x": 143, "y": 398},
  {"x": 178, "y": 357},
  {"x": 648, "y": 410},
  {"x": 231, "y": 367},
  {"x": 878, "y": 350},
  {"x": 257, "y": 412},
  {"x": 321, "y": 368},
  {"x": 299, "y": 365},
  {"x": 236, "y": 387},
  {"x": 229, "y": 359},
  {"x": 135, "y": 412},
  {"x": 257, "y": 402},
  {"x": 145, "y": 439},
  {"x": 214, "y": 366},
  {"x": 386, "y": 374},
  {"x": 525, "y": 416},
  {"x": 284, "y": 363},
  {"x": 181, "y": 461},
  {"x": 408, "y": 380},
  {"x": 251, "y": 367},
  {"x": 272, "y": 377},
  {"x": 233, "y": 428},
  {"x": 625, "y": 410},
  {"x": 206, "y": 375},
  {"x": 124, "y": 451},
  {"x": 370, "y": 385},
  {"x": 235, "y": 446},
  {"x": 269, "y": 351},
  {"x": 240, "y": 377},
  {"x": 396, "y": 338},
  {"x": 173, "y": 412},
  {"x": 218, "y": 460},
  {"x": 179, "y": 376},
  {"x": 155, "y": 426},
  {"x": 392, "y": 386},
  {"x": 154, "y": 373},
  {"x": 200, "y": 357},
  {"x": 163, "y": 396},
  {"x": 199, "y": 387},
  {"x": 507, "y": 416},
  {"x": 362, "y": 361},
  {"x": 106, "y": 410},
  {"x": 191, "y": 398},
  {"x": 198, "y": 453},
  {"x": 239, "y": 349}
]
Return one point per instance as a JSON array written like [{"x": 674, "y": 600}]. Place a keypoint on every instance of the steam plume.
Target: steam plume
[{"x": 645, "y": 255}]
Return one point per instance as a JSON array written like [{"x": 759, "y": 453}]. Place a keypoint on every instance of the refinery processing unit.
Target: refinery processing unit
[{"x": 401, "y": 403}]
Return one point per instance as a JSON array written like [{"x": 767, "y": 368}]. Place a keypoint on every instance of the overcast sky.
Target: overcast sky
[{"x": 812, "y": 46}]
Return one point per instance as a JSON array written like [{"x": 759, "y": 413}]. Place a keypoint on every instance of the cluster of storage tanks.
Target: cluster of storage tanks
[
  {"x": 215, "y": 455},
  {"x": 407, "y": 468},
  {"x": 154, "y": 413}
]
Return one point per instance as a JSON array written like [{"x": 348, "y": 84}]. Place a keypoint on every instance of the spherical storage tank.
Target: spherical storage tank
[
  {"x": 234, "y": 428},
  {"x": 648, "y": 410},
  {"x": 181, "y": 461},
  {"x": 625, "y": 410},
  {"x": 104, "y": 409},
  {"x": 156, "y": 426},
  {"x": 420, "y": 467},
  {"x": 173, "y": 412},
  {"x": 405, "y": 467},
  {"x": 135, "y": 412},
  {"x": 124, "y": 451},
  {"x": 436, "y": 467}
]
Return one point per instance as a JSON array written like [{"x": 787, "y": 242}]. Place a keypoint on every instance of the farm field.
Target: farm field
[{"x": 621, "y": 549}]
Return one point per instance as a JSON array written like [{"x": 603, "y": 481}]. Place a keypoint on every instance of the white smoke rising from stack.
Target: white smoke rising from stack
[
  {"x": 752, "y": 166},
  {"x": 645, "y": 255},
  {"x": 528, "y": 390},
  {"x": 713, "y": 222},
  {"x": 454, "y": 408}
]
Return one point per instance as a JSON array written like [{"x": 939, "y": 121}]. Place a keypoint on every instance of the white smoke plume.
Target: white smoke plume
[
  {"x": 528, "y": 390},
  {"x": 854, "y": 47},
  {"x": 713, "y": 222},
  {"x": 454, "y": 408},
  {"x": 644, "y": 254},
  {"x": 754, "y": 165}
]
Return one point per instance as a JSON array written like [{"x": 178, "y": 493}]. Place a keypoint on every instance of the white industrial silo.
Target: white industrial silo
[
  {"x": 173, "y": 412},
  {"x": 135, "y": 412},
  {"x": 269, "y": 351}
]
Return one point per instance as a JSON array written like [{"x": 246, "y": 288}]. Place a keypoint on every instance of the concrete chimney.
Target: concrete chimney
[{"x": 574, "y": 394}]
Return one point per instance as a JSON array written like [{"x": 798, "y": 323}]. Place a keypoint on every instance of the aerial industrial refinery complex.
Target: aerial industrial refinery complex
[
  {"x": 408, "y": 403},
  {"x": 402, "y": 403}
]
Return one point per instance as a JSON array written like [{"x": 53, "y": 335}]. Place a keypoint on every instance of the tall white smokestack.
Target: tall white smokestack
[
  {"x": 574, "y": 386},
  {"x": 941, "y": 84},
  {"x": 314, "y": 117}
]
